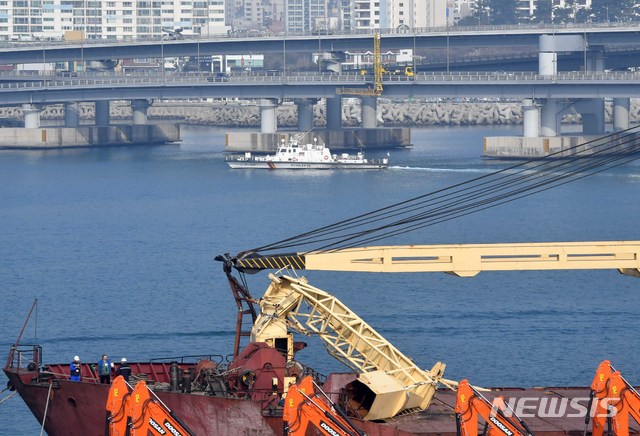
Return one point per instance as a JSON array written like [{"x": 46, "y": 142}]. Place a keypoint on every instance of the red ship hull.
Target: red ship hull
[{"x": 79, "y": 408}]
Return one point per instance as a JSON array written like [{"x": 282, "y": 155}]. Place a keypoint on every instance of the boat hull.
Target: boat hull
[
  {"x": 79, "y": 409},
  {"x": 270, "y": 165}
]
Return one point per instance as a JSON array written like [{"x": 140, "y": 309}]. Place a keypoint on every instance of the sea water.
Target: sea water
[{"x": 117, "y": 245}]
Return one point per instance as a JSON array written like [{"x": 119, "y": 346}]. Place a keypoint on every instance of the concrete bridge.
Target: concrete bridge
[{"x": 545, "y": 97}]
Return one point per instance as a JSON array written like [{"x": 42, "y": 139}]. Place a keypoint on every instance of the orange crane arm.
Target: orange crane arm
[
  {"x": 471, "y": 404},
  {"x": 117, "y": 406},
  {"x": 616, "y": 400},
  {"x": 599, "y": 388},
  {"x": 305, "y": 405},
  {"x": 150, "y": 416},
  {"x": 625, "y": 401}
]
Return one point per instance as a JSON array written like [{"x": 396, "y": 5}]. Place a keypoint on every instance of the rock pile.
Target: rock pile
[{"x": 390, "y": 114}]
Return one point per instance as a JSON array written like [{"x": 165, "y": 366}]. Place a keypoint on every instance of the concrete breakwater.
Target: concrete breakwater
[{"x": 389, "y": 114}]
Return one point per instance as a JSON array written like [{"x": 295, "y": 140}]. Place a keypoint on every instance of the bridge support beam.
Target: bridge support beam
[
  {"x": 140, "y": 111},
  {"x": 31, "y": 114},
  {"x": 621, "y": 114},
  {"x": 549, "y": 118},
  {"x": 550, "y": 45},
  {"x": 102, "y": 114},
  {"x": 592, "y": 112},
  {"x": 71, "y": 114},
  {"x": 305, "y": 114},
  {"x": 334, "y": 113},
  {"x": 268, "y": 118},
  {"x": 530, "y": 119},
  {"x": 369, "y": 107}
]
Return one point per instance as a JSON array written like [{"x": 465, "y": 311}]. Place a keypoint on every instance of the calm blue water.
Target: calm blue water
[{"x": 118, "y": 245}]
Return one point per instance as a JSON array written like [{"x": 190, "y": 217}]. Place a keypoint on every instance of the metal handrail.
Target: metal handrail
[{"x": 344, "y": 79}]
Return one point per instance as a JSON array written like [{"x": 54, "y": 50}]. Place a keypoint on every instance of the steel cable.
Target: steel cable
[{"x": 480, "y": 193}]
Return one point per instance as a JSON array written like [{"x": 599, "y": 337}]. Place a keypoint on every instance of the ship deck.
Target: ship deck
[{"x": 550, "y": 411}]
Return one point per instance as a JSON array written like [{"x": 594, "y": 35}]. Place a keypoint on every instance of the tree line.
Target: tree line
[{"x": 497, "y": 12}]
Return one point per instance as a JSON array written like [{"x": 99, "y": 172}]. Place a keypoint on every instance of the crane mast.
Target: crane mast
[
  {"x": 386, "y": 376},
  {"x": 388, "y": 382}
]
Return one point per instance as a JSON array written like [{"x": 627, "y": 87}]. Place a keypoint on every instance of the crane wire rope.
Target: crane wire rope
[{"x": 471, "y": 196}]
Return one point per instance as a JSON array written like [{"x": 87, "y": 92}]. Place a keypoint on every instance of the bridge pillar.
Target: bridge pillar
[
  {"x": 31, "y": 114},
  {"x": 334, "y": 113},
  {"x": 620, "y": 114},
  {"x": 549, "y": 118},
  {"x": 530, "y": 119},
  {"x": 305, "y": 114},
  {"x": 268, "y": 119},
  {"x": 547, "y": 64},
  {"x": 369, "y": 107},
  {"x": 140, "y": 111},
  {"x": 72, "y": 114},
  {"x": 593, "y": 120},
  {"x": 102, "y": 112},
  {"x": 592, "y": 112},
  {"x": 550, "y": 45},
  {"x": 596, "y": 59}
]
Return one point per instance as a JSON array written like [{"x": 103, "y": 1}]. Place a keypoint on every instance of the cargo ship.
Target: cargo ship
[{"x": 382, "y": 392}]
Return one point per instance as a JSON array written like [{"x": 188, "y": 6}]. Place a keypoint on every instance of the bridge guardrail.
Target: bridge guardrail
[{"x": 341, "y": 79}]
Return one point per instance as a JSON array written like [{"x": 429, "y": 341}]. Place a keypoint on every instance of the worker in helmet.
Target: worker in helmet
[
  {"x": 124, "y": 369},
  {"x": 74, "y": 370}
]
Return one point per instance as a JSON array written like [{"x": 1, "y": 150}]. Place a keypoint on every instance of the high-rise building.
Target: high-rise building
[
  {"x": 398, "y": 14},
  {"x": 306, "y": 15},
  {"x": 109, "y": 19}
]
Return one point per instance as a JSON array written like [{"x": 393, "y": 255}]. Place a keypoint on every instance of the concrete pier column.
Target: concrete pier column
[
  {"x": 140, "y": 111},
  {"x": 547, "y": 63},
  {"x": 550, "y": 45},
  {"x": 305, "y": 114},
  {"x": 593, "y": 118},
  {"x": 31, "y": 114},
  {"x": 71, "y": 114},
  {"x": 549, "y": 118},
  {"x": 530, "y": 119},
  {"x": 102, "y": 114},
  {"x": 268, "y": 119},
  {"x": 334, "y": 113},
  {"x": 621, "y": 114},
  {"x": 369, "y": 112},
  {"x": 596, "y": 59}
]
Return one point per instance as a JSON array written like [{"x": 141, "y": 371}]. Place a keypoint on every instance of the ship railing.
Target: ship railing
[
  {"x": 217, "y": 358},
  {"x": 23, "y": 356}
]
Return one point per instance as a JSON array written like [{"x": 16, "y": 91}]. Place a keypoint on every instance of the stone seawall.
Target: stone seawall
[{"x": 390, "y": 114}]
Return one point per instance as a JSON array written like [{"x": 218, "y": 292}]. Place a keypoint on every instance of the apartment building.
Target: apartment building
[
  {"x": 398, "y": 14},
  {"x": 109, "y": 19},
  {"x": 528, "y": 7}
]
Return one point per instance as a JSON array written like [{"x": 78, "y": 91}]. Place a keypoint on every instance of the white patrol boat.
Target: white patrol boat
[{"x": 294, "y": 155}]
